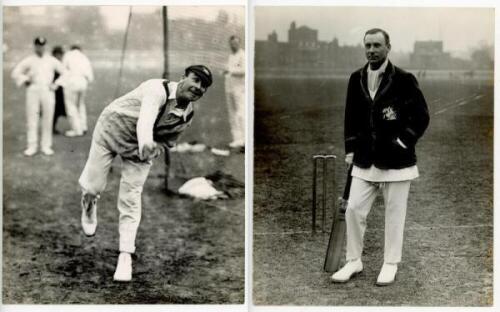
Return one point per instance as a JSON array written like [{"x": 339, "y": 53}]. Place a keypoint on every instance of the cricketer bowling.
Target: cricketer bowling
[{"x": 138, "y": 127}]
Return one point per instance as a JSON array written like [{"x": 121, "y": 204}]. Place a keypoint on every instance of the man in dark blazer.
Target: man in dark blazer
[{"x": 385, "y": 115}]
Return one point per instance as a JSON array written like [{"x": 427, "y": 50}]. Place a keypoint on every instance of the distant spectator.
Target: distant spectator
[
  {"x": 59, "y": 110},
  {"x": 79, "y": 75}
]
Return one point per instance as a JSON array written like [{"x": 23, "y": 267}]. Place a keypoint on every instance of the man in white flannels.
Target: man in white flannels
[
  {"x": 385, "y": 116},
  {"x": 235, "y": 92},
  {"x": 36, "y": 73},
  {"x": 78, "y": 76},
  {"x": 137, "y": 126}
]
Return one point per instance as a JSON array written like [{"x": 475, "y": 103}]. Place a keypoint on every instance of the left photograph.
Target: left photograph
[{"x": 123, "y": 155}]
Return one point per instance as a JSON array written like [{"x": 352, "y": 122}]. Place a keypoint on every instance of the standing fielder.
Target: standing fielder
[
  {"x": 36, "y": 73},
  {"x": 385, "y": 115},
  {"x": 235, "y": 92},
  {"x": 79, "y": 75},
  {"x": 137, "y": 126}
]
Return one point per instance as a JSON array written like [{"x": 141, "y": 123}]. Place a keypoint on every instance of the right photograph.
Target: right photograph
[{"x": 373, "y": 156}]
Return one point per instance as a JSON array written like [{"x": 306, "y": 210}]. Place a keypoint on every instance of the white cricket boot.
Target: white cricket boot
[
  {"x": 89, "y": 213},
  {"x": 350, "y": 268},
  {"x": 72, "y": 133},
  {"x": 30, "y": 151},
  {"x": 387, "y": 274},
  {"x": 236, "y": 144},
  {"x": 47, "y": 151},
  {"x": 123, "y": 271}
]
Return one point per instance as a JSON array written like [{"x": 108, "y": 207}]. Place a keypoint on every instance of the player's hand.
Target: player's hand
[
  {"x": 149, "y": 151},
  {"x": 349, "y": 159},
  {"x": 53, "y": 87}
]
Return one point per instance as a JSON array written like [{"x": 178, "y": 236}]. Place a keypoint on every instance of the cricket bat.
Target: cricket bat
[{"x": 337, "y": 234}]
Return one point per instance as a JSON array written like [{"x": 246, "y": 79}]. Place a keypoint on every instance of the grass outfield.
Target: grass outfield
[
  {"x": 447, "y": 255},
  {"x": 187, "y": 251}
]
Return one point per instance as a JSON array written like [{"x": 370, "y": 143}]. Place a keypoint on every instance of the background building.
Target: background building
[{"x": 304, "y": 52}]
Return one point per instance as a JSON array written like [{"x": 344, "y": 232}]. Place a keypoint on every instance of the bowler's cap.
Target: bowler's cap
[
  {"x": 40, "y": 41},
  {"x": 201, "y": 71}
]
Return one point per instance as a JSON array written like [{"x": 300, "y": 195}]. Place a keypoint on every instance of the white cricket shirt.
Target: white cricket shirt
[
  {"x": 78, "y": 70},
  {"x": 38, "y": 70},
  {"x": 236, "y": 65}
]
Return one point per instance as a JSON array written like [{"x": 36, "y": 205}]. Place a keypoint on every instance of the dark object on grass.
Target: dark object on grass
[{"x": 227, "y": 184}]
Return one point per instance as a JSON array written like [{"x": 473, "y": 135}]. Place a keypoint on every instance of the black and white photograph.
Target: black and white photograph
[
  {"x": 124, "y": 154},
  {"x": 373, "y": 156},
  {"x": 249, "y": 155}
]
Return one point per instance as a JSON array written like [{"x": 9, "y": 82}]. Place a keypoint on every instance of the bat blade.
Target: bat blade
[{"x": 338, "y": 232}]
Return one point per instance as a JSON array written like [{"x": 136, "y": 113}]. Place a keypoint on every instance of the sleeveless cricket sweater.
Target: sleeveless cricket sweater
[{"x": 116, "y": 128}]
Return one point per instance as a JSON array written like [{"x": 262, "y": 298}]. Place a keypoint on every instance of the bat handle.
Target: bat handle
[{"x": 348, "y": 182}]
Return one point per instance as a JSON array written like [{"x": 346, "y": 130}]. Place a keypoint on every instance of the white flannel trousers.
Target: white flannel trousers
[
  {"x": 39, "y": 99},
  {"x": 76, "y": 109},
  {"x": 235, "y": 98},
  {"x": 133, "y": 176},
  {"x": 361, "y": 198}
]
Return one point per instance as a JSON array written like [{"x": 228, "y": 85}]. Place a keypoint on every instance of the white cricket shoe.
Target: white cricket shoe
[
  {"x": 350, "y": 268},
  {"x": 30, "y": 151},
  {"x": 236, "y": 144},
  {"x": 72, "y": 133},
  {"x": 387, "y": 274},
  {"x": 48, "y": 151},
  {"x": 123, "y": 271},
  {"x": 89, "y": 213}
]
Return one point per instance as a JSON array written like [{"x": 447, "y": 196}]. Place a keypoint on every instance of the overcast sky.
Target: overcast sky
[
  {"x": 460, "y": 28},
  {"x": 116, "y": 16}
]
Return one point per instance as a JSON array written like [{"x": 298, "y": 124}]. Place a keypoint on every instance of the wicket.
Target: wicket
[{"x": 316, "y": 159}]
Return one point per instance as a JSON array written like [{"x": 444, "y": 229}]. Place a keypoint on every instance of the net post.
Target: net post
[
  {"x": 325, "y": 193},
  {"x": 314, "y": 159}
]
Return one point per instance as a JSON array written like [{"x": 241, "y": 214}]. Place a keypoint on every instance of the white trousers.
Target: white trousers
[
  {"x": 361, "y": 198},
  {"x": 133, "y": 176},
  {"x": 235, "y": 98},
  {"x": 39, "y": 100},
  {"x": 76, "y": 109}
]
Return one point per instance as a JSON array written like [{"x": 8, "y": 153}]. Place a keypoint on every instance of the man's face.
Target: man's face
[
  {"x": 376, "y": 49},
  {"x": 190, "y": 88},
  {"x": 39, "y": 49},
  {"x": 234, "y": 44}
]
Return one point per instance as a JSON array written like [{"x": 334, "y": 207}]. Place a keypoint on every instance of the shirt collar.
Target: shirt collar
[
  {"x": 177, "y": 111},
  {"x": 172, "y": 88}
]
